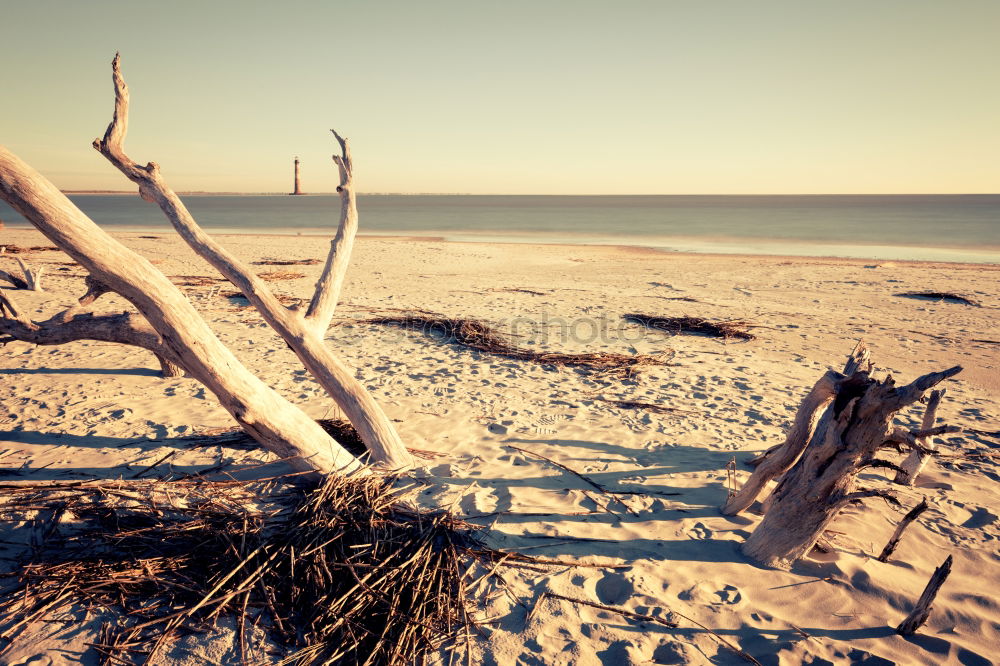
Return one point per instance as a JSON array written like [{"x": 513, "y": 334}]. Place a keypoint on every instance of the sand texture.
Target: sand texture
[{"x": 95, "y": 410}]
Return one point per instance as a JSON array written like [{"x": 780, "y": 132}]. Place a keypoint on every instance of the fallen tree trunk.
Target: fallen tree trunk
[
  {"x": 822, "y": 482},
  {"x": 274, "y": 422}
]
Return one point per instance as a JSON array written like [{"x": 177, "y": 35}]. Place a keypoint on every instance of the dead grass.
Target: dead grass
[
  {"x": 196, "y": 280},
  {"x": 478, "y": 335},
  {"x": 272, "y": 276},
  {"x": 337, "y": 572},
  {"x": 287, "y": 262},
  {"x": 732, "y": 328}
]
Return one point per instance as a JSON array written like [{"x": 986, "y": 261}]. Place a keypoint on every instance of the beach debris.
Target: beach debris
[
  {"x": 287, "y": 262},
  {"x": 196, "y": 280},
  {"x": 727, "y": 329},
  {"x": 914, "y": 463},
  {"x": 32, "y": 280},
  {"x": 945, "y": 296},
  {"x": 478, "y": 335},
  {"x": 779, "y": 459},
  {"x": 650, "y": 407},
  {"x": 521, "y": 290},
  {"x": 273, "y": 276},
  {"x": 10, "y": 248},
  {"x": 339, "y": 571},
  {"x": 168, "y": 325},
  {"x": 911, "y": 515},
  {"x": 922, "y": 610},
  {"x": 600, "y": 487},
  {"x": 822, "y": 481}
]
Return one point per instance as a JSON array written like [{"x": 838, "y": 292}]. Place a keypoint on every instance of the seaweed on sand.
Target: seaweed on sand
[
  {"x": 732, "y": 328},
  {"x": 287, "y": 262},
  {"x": 478, "y": 335},
  {"x": 945, "y": 296},
  {"x": 339, "y": 571}
]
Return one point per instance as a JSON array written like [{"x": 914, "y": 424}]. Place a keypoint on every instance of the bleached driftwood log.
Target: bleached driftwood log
[
  {"x": 778, "y": 460},
  {"x": 271, "y": 420},
  {"x": 32, "y": 280},
  {"x": 304, "y": 333},
  {"x": 822, "y": 482},
  {"x": 914, "y": 464}
]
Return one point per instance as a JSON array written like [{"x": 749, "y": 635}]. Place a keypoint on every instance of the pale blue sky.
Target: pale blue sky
[{"x": 581, "y": 97}]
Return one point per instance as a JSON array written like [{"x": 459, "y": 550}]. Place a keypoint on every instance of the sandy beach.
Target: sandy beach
[{"x": 97, "y": 410}]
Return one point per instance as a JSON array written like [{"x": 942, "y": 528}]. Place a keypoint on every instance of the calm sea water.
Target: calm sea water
[{"x": 933, "y": 227}]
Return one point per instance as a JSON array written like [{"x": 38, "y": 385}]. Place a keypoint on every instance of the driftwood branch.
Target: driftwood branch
[
  {"x": 893, "y": 542},
  {"x": 265, "y": 415},
  {"x": 331, "y": 281},
  {"x": 32, "y": 280},
  {"x": 922, "y": 610},
  {"x": 915, "y": 462},
  {"x": 304, "y": 338}
]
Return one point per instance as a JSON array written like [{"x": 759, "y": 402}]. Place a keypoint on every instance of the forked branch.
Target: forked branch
[{"x": 305, "y": 337}]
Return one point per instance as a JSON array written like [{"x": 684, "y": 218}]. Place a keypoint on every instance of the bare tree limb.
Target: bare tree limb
[
  {"x": 912, "y": 514},
  {"x": 915, "y": 462},
  {"x": 371, "y": 423},
  {"x": 331, "y": 282}
]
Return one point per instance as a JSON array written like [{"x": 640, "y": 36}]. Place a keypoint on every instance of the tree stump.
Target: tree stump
[{"x": 857, "y": 426}]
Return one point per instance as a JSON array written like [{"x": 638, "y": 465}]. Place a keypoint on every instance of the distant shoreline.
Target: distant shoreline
[{"x": 468, "y": 194}]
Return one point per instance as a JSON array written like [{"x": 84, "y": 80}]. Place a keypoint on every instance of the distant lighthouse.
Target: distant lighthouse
[{"x": 298, "y": 187}]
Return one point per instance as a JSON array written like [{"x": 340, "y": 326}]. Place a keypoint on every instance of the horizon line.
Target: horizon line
[{"x": 562, "y": 194}]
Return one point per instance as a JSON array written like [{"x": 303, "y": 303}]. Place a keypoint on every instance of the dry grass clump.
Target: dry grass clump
[
  {"x": 272, "y": 276},
  {"x": 287, "y": 262},
  {"x": 338, "y": 572},
  {"x": 195, "y": 280},
  {"x": 478, "y": 335},
  {"x": 732, "y": 328},
  {"x": 945, "y": 296}
]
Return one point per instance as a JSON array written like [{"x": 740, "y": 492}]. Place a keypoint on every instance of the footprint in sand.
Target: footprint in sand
[
  {"x": 729, "y": 595},
  {"x": 614, "y": 588},
  {"x": 699, "y": 531}
]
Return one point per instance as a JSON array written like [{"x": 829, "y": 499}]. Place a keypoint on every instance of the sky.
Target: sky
[{"x": 515, "y": 97}]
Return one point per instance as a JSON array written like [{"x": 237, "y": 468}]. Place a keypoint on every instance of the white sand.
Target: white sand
[{"x": 93, "y": 409}]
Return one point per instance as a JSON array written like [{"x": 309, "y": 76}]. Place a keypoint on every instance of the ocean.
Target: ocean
[{"x": 958, "y": 228}]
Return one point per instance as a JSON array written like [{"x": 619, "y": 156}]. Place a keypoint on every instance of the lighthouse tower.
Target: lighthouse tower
[{"x": 298, "y": 187}]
